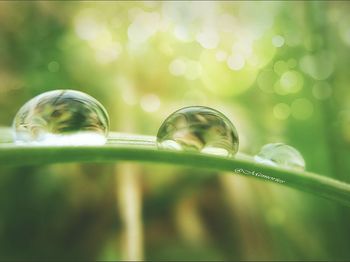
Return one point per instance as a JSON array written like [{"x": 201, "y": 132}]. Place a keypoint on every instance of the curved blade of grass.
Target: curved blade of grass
[{"x": 126, "y": 147}]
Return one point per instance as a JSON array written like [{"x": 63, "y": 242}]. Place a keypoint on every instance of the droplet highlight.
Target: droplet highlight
[
  {"x": 61, "y": 117},
  {"x": 198, "y": 129},
  {"x": 279, "y": 154}
]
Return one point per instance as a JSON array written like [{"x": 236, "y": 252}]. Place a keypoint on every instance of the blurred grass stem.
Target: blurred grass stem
[{"x": 129, "y": 195}]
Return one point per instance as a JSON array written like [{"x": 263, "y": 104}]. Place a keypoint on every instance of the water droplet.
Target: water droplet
[
  {"x": 278, "y": 154},
  {"x": 198, "y": 129},
  {"x": 61, "y": 117}
]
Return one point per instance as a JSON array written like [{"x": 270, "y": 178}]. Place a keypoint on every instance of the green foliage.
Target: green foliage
[{"x": 277, "y": 70}]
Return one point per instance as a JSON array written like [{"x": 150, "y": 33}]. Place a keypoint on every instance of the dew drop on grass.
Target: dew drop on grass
[
  {"x": 198, "y": 129},
  {"x": 278, "y": 154},
  {"x": 61, "y": 117}
]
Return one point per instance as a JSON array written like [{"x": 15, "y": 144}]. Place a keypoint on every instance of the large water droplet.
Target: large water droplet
[
  {"x": 198, "y": 129},
  {"x": 61, "y": 117},
  {"x": 278, "y": 154}
]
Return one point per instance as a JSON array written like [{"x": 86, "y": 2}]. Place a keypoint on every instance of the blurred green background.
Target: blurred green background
[{"x": 278, "y": 70}]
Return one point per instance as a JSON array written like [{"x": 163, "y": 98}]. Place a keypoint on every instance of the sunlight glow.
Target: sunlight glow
[{"x": 150, "y": 103}]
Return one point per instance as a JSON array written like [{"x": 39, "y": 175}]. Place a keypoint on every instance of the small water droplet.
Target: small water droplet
[
  {"x": 61, "y": 117},
  {"x": 278, "y": 154},
  {"x": 198, "y": 129}
]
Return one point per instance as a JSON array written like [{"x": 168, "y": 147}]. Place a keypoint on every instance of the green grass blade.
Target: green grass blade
[{"x": 125, "y": 147}]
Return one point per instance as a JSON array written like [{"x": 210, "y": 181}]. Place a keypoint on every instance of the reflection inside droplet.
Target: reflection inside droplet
[
  {"x": 198, "y": 129},
  {"x": 61, "y": 117},
  {"x": 278, "y": 154}
]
